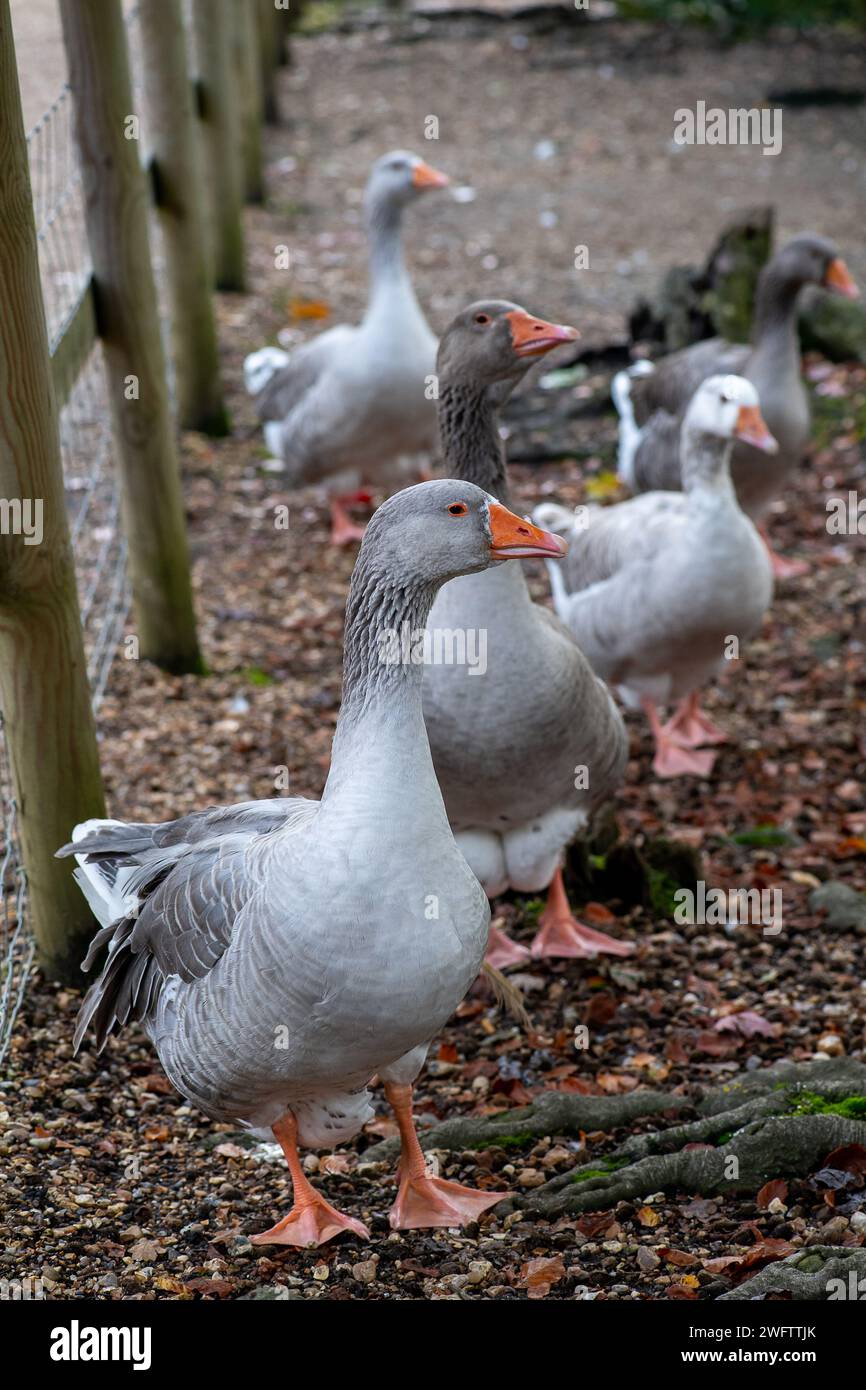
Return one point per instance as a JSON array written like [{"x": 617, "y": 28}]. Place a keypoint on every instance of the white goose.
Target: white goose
[
  {"x": 350, "y": 408},
  {"x": 279, "y": 953},
  {"x": 525, "y": 749},
  {"x": 657, "y": 586},
  {"x": 651, "y": 398}
]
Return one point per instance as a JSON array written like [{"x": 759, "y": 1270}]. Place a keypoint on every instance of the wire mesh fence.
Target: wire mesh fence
[{"x": 92, "y": 497}]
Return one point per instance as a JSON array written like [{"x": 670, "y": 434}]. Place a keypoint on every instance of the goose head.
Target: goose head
[
  {"x": 727, "y": 407},
  {"x": 397, "y": 178},
  {"x": 435, "y": 531},
  {"x": 494, "y": 341},
  {"x": 813, "y": 260}
]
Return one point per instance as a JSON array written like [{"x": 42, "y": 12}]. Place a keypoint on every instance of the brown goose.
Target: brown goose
[
  {"x": 652, "y": 397},
  {"x": 523, "y": 753}
]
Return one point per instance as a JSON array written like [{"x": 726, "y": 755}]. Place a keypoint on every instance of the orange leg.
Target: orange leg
[
  {"x": 343, "y": 529},
  {"x": 560, "y": 933},
  {"x": 423, "y": 1200},
  {"x": 502, "y": 951},
  {"x": 782, "y": 568},
  {"x": 690, "y": 727},
  {"x": 672, "y": 759},
  {"x": 312, "y": 1220}
]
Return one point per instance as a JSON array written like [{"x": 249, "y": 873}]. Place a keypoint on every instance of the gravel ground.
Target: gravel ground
[{"x": 111, "y": 1187}]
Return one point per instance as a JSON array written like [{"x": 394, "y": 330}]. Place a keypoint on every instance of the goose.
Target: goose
[
  {"x": 658, "y": 586},
  {"x": 280, "y": 953},
  {"x": 350, "y": 407},
  {"x": 651, "y": 398},
  {"x": 523, "y": 752}
]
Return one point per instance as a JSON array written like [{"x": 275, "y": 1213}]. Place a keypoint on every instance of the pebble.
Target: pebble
[
  {"x": 530, "y": 1177},
  {"x": 365, "y": 1270},
  {"x": 479, "y": 1270},
  {"x": 647, "y": 1259},
  {"x": 832, "y": 1045}
]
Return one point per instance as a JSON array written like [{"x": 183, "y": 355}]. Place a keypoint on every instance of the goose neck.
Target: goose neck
[{"x": 471, "y": 444}]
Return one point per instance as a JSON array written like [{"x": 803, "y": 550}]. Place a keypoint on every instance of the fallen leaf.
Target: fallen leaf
[
  {"x": 776, "y": 1187},
  {"x": 676, "y": 1257},
  {"x": 851, "y": 1158},
  {"x": 538, "y": 1276},
  {"x": 648, "y": 1216},
  {"x": 749, "y": 1024}
]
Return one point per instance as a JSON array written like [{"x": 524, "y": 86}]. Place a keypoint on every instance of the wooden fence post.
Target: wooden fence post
[
  {"x": 116, "y": 209},
  {"x": 271, "y": 38},
  {"x": 44, "y": 693},
  {"x": 212, "y": 28},
  {"x": 249, "y": 88},
  {"x": 179, "y": 193}
]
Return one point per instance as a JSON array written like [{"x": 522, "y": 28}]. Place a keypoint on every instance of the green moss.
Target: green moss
[
  {"x": 763, "y": 837},
  {"x": 661, "y": 892},
  {"x": 514, "y": 1141},
  {"x": 254, "y": 675},
  {"x": 531, "y": 909},
  {"x": 810, "y": 1103},
  {"x": 592, "y": 1173}
]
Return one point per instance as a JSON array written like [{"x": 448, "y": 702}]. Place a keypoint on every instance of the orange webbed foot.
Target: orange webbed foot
[
  {"x": 423, "y": 1200},
  {"x": 310, "y": 1223}
]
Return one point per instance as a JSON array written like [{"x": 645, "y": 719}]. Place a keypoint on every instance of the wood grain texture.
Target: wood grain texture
[
  {"x": 116, "y": 208},
  {"x": 172, "y": 144},
  {"x": 248, "y": 81},
  {"x": 212, "y": 30},
  {"x": 44, "y": 694}
]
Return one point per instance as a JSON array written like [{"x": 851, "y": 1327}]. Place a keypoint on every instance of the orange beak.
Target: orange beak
[
  {"x": 425, "y": 176},
  {"x": 513, "y": 539},
  {"x": 532, "y": 337},
  {"x": 752, "y": 429},
  {"x": 838, "y": 278}
]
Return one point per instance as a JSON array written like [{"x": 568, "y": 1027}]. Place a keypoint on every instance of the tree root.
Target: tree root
[
  {"x": 753, "y": 1122},
  {"x": 808, "y": 1276},
  {"x": 555, "y": 1112}
]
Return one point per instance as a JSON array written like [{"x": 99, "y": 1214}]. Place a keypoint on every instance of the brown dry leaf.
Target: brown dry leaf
[
  {"x": 304, "y": 309},
  {"x": 676, "y": 1257},
  {"x": 168, "y": 1284},
  {"x": 763, "y": 1252},
  {"x": 776, "y": 1187},
  {"x": 539, "y": 1276},
  {"x": 216, "y": 1288},
  {"x": 145, "y": 1251},
  {"x": 648, "y": 1216},
  {"x": 156, "y": 1134},
  {"x": 598, "y": 914},
  {"x": 849, "y": 1158},
  {"x": 682, "y": 1290},
  {"x": 336, "y": 1163},
  {"x": 748, "y": 1023},
  {"x": 230, "y": 1151}
]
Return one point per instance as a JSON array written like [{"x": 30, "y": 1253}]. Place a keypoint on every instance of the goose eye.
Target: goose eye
[
  {"x": 482, "y": 318},
  {"x": 458, "y": 509}
]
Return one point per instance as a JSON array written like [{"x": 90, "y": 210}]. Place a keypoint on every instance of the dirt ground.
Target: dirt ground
[{"x": 112, "y": 1187}]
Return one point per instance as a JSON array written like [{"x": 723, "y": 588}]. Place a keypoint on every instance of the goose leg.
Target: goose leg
[
  {"x": 312, "y": 1220},
  {"x": 690, "y": 727},
  {"x": 502, "y": 951},
  {"x": 782, "y": 568},
  {"x": 672, "y": 759},
  {"x": 423, "y": 1200},
  {"x": 343, "y": 529},
  {"x": 560, "y": 933}
]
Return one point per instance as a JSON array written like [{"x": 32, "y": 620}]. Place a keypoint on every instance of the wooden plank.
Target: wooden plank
[
  {"x": 44, "y": 694},
  {"x": 73, "y": 346},
  {"x": 116, "y": 201},
  {"x": 181, "y": 200}
]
